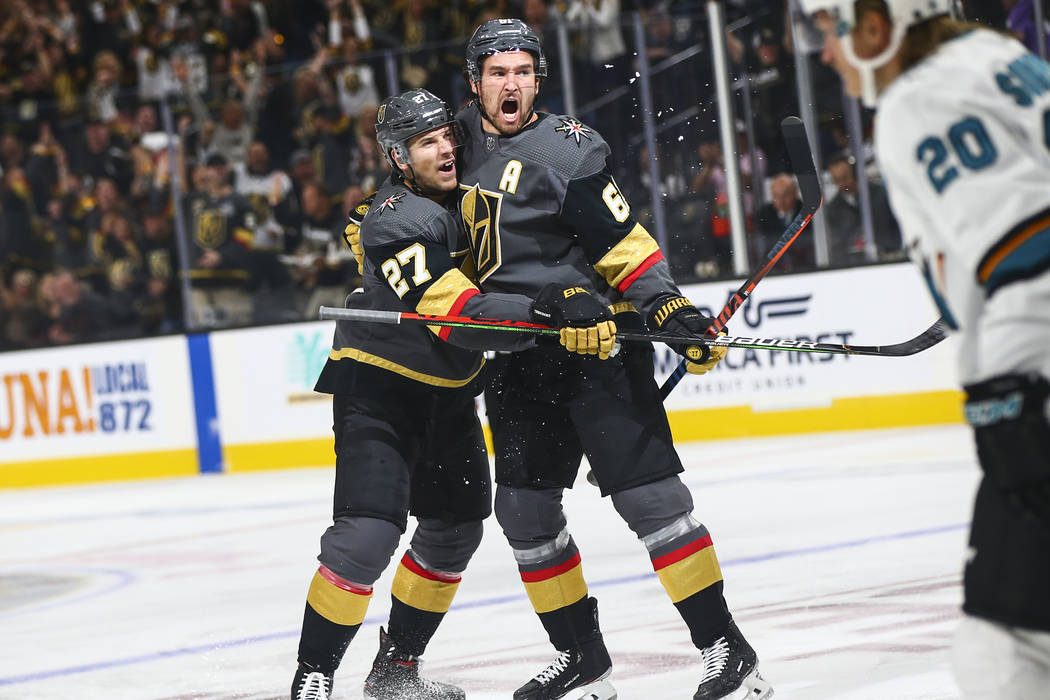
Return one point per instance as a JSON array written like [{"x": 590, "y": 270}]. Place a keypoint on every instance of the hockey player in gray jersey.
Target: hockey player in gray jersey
[
  {"x": 541, "y": 208},
  {"x": 407, "y": 437}
]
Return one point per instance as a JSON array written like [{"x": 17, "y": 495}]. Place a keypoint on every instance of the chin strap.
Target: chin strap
[{"x": 410, "y": 183}]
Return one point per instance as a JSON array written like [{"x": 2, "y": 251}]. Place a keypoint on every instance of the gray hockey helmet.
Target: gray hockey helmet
[
  {"x": 498, "y": 35},
  {"x": 406, "y": 115}
]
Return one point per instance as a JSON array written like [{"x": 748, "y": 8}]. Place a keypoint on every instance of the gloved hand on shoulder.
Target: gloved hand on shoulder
[{"x": 352, "y": 232}]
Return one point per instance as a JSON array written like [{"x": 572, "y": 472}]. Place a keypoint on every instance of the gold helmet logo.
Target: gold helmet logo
[{"x": 381, "y": 114}]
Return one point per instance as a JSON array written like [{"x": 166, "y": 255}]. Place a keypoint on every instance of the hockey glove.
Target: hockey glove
[
  {"x": 676, "y": 315},
  {"x": 352, "y": 232},
  {"x": 586, "y": 325}
]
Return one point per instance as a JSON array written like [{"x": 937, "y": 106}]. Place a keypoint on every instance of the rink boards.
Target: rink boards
[{"x": 242, "y": 400}]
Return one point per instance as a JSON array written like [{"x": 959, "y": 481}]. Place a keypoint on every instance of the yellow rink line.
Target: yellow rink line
[
  {"x": 862, "y": 413},
  {"x": 79, "y": 470}
]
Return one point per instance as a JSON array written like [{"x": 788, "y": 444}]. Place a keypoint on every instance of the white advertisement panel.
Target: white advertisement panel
[
  {"x": 877, "y": 305},
  {"x": 98, "y": 399},
  {"x": 264, "y": 379}
]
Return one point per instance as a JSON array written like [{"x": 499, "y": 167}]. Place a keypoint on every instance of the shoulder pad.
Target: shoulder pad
[
  {"x": 469, "y": 111},
  {"x": 566, "y": 145},
  {"x": 397, "y": 213}
]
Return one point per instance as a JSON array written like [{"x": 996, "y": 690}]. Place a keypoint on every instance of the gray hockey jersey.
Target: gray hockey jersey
[
  {"x": 416, "y": 260},
  {"x": 542, "y": 206}
]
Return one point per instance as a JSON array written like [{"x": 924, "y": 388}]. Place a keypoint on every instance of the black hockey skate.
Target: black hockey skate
[
  {"x": 582, "y": 672},
  {"x": 311, "y": 684},
  {"x": 395, "y": 676},
  {"x": 731, "y": 670}
]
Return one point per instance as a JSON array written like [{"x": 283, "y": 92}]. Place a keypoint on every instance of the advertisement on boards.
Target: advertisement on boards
[
  {"x": 60, "y": 405},
  {"x": 268, "y": 410},
  {"x": 878, "y": 305}
]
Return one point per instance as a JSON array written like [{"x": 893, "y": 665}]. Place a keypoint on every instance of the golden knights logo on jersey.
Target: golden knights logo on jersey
[
  {"x": 573, "y": 129},
  {"x": 391, "y": 202},
  {"x": 480, "y": 211},
  {"x": 159, "y": 263},
  {"x": 211, "y": 228}
]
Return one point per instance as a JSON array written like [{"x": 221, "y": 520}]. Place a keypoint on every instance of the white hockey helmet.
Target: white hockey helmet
[{"x": 903, "y": 14}]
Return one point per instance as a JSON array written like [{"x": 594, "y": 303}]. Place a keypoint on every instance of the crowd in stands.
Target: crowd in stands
[{"x": 249, "y": 124}]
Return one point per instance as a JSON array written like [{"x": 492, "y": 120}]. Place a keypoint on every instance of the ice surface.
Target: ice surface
[{"x": 841, "y": 553}]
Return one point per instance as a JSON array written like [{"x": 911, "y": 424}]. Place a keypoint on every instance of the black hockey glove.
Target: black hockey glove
[
  {"x": 676, "y": 315},
  {"x": 586, "y": 325}
]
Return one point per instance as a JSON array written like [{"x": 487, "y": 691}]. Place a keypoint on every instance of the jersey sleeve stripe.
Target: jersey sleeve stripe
[
  {"x": 640, "y": 270},
  {"x": 243, "y": 236},
  {"x": 1021, "y": 253},
  {"x": 447, "y": 295},
  {"x": 629, "y": 258},
  {"x": 445, "y": 331}
]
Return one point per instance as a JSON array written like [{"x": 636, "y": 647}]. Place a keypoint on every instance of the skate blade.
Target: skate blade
[
  {"x": 754, "y": 687},
  {"x": 601, "y": 689}
]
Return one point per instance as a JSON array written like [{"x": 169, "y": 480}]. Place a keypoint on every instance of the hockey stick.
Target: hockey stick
[
  {"x": 812, "y": 197},
  {"x": 928, "y": 338}
]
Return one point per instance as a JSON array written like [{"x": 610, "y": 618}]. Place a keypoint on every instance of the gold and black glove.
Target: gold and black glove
[
  {"x": 676, "y": 315},
  {"x": 586, "y": 325},
  {"x": 715, "y": 355},
  {"x": 352, "y": 232}
]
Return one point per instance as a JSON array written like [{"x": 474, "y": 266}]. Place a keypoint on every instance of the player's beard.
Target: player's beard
[{"x": 521, "y": 103}]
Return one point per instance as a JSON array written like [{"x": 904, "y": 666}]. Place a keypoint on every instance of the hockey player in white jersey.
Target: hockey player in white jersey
[{"x": 963, "y": 141}]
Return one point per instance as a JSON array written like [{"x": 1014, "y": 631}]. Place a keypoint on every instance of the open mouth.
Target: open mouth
[
  {"x": 509, "y": 110},
  {"x": 448, "y": 167}
]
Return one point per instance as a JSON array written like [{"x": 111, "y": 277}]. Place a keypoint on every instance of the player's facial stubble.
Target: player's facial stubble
[
  {"x": 433, "y": 157},
  {"x": 507, "y": 91}
]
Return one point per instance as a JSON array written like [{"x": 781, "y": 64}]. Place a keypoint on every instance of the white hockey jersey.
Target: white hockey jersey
[{"x": 963, "y": 142}]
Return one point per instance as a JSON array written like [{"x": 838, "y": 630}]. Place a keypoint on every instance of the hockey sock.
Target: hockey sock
[
  {"x": 420, "y": 599},
  {"x": 557, "y": 591},
  {"x": 689, "y": 571},
  {"x": 335, "y": 609}
]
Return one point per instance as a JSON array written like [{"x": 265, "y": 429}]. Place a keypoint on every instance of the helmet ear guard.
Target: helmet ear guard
[{"x": 399, "y": 152}]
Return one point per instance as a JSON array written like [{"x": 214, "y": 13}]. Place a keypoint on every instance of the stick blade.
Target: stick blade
[
  {"x": 925, "y": 340},
  {"x": 801, "y": 156}
]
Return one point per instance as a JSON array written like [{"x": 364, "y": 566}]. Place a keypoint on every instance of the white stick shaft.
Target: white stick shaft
[{"x": 332, "y": 313}]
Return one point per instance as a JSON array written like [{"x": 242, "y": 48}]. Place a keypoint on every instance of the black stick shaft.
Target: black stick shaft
[{"x": 812, "y": 197}]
